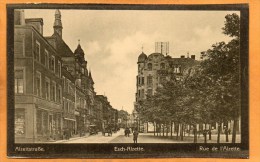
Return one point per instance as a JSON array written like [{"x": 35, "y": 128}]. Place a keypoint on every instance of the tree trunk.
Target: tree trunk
[
  {"x": 163, "y": 129},
  {"x": 177, "y": 136},
  {"x": 154, "y": 128},
  {"x": 195, "y": 133},
  {"x": 234, "y": 132},
  {"x": 160, "y": 129},
  {"x": 219, "y": 127},
  {"x": 205, "y": 135},
  {"x": 171, "y": 129},
  {"x": 210, "y": 132},
  {"x": 226, "y": 132},
  {"x": 167, "y": 130},
  {"x": 181, "y": 133}
]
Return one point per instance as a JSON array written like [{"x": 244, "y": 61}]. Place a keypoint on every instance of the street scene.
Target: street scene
[
  {"x": 103, "y": 76},
  {"x": 120, "y": 137}
]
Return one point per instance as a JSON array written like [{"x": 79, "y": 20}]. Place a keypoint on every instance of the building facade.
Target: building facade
[
  {"x": 54, "y": 91},
  {"x": 153, "y": 70},
  {"x": 38, "y": 82}
]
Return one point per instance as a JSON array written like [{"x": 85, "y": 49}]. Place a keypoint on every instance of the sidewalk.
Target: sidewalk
[
  {"x": 189, "y": 139},
  {"x": 97, "y": 138},
  {"x": 71, "y": 139}
]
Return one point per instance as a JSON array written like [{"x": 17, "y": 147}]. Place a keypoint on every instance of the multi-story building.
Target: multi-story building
[
  {"x": 107, "y": 112},
  {"x": 38, "y": 83},
  {"x": 155, "y": 69},
  {"x": 68, "y": 102},
  {"x": 54, "y": 91},
  {"x": 122, "y": 118}
]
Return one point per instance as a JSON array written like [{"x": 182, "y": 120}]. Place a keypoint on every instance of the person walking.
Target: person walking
[
  {"x": 135, "y": 136},
  {"x": 128, "y": 132}
]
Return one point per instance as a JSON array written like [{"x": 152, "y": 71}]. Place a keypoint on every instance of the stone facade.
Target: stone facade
[
  {"x": 54, "y": 90},
  {"x": 155, "y": 69}
]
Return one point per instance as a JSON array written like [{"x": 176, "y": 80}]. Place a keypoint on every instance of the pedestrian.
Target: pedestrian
[
  {"x": 128, "y": 132},
  {"x": 125, "y": 131},
  {"x": 135, "y": 136}
]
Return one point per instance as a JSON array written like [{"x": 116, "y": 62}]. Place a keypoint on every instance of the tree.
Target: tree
[{"x": 221, "y": 66}]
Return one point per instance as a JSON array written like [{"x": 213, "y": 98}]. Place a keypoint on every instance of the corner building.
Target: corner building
[
  {"x": 37, "y": 83},
  {"x": 152, "y": 71},
  {"x": 53, "y": 89}
]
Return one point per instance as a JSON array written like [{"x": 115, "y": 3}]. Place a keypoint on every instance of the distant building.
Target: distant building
[
  {"x": 108, "y": 115},
  {"x": 123, "y": 118},
  {"x": 155, "y": 68}
]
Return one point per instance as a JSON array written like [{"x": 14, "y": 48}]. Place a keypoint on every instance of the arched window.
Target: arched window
[
  {"x": 150, "y": 66},
  {"x": 162, "y": 65}
]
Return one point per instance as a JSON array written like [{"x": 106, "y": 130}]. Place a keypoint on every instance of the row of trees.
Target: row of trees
[{"x": 207, "y": 93}]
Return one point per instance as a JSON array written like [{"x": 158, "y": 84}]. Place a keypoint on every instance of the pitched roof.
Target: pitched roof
[{"x": 62, "y": 48}]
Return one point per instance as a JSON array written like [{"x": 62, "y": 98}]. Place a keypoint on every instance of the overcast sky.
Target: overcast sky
[{"x": 112, "y": 41}]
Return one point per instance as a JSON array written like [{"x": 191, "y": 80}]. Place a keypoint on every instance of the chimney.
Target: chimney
[
  {"x": 182, "y": 56},
  {"x": 193, "y": 57},
  {"x": 19, "y": 17},
  {"x": 37, "y": 23}
]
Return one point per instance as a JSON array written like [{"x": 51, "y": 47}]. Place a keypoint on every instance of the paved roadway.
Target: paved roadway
[{"x": 142, "y": 138}]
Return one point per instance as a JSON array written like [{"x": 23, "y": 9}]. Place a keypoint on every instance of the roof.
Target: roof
[
  {"x": 62, "y": 48},
  {"x": 142, "y": 57}
]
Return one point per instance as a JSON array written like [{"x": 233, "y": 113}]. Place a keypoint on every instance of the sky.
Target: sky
[{"x": 113, "y": 39}]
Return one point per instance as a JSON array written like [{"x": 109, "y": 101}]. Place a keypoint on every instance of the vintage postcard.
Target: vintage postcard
[{"x": 128, "y": 81}]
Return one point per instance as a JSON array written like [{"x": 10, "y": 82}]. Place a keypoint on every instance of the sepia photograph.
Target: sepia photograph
[{"x": 129, "y": 79}]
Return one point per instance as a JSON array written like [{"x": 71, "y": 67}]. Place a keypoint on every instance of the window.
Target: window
[
  {"x": 78, "y": 82},
  {"x": 39, "y": 122},
  {"x": 37, "y": 51},
  {"x": 82, "y": 71},
  {"x": 68, "y": 90},
  {"x": 150, "y": 66},
  {"x": 65, "y": 106},
  {"x": 19, "y": 44},
  {"x": 59, "y": 94},
  {"x": 53, "y": 91},
  {"x": 142, "y": 80},
  {"x": 149, "y": 92},
  {"x": 46, "y": 58},
  {"x": 142, "y": 93},
  {"x": 162, "y": 79},
  {"x": 38, "y": 84},
  {"x": 177, "y": 69},
  {"x": 19, "y": 81},
  {"x": 63, "y": 82},
  {"x": 162, "y": 65},
  {"x": 47, "y": 88},
  {"x": 149, "y": 80},
  {"x": 19, "y": 122},
  {"x": 52, "y": 66},
  {"x": 68, "y": 106},
  {"x": 59, "y": 69}
]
